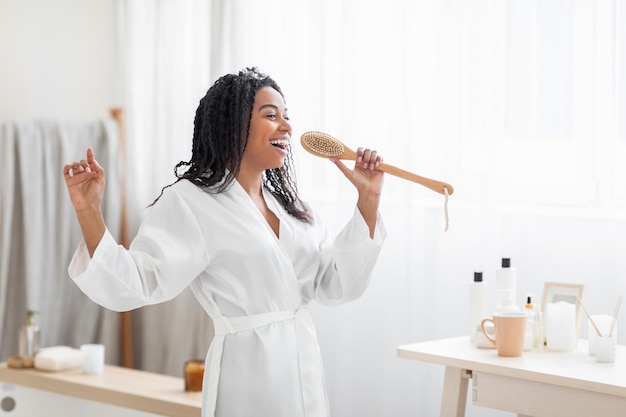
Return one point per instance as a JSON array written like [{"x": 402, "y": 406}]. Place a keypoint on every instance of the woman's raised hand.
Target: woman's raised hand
[
  {"x": 365, "y": 177},
  {"x": 368, "y": 182},
  {"x": 85, "y": 182}
]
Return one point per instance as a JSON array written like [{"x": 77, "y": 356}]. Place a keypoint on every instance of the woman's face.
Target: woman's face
[{"x": 270, "y": 132}]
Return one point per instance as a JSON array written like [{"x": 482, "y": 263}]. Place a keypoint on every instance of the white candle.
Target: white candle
[
  {"x": 561, "y": 326},
  {"x": 93, "y": 358}
]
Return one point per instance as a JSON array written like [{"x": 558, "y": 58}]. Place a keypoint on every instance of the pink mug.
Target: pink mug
[{"x": 510, "y": 330}]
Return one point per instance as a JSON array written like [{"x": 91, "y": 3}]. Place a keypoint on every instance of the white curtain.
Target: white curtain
[
  {"x": 163, "y": 47},
  {"x": 519, "y": 105}
]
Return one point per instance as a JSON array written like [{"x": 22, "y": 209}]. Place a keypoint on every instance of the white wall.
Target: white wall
[
  {"x": 58, "y": 59},
  {"x": 358, "y": 340}
]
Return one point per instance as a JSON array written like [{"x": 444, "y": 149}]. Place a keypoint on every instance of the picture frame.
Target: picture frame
[{"x": 560, "y": 291}]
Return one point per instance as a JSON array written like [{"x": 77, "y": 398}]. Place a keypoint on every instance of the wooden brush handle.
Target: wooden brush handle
[
  {"x": 434, "y": 185},
  {"x": 325, "y": 146}
]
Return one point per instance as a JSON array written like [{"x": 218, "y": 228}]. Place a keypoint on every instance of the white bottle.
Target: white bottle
[
  {"x": 506, "y": 283},
  {"x": 477, "y": 304}
]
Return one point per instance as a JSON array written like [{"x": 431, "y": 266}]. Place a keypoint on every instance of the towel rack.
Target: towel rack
[{"x": 126, "y": 323}]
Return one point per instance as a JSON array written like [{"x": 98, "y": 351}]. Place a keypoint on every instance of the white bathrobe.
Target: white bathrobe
[{"x": 264, "y": 359}]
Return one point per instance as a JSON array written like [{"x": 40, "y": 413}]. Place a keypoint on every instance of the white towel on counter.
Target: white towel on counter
[{"x": 58, "y": 358}]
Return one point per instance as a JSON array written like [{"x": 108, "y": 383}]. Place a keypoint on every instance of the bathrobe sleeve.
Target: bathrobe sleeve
[
  {"x": 346, "y": 264},
  {"x": 167, "y": 254}
]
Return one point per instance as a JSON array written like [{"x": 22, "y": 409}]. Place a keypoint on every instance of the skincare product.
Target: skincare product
[
  {"x": 29, "y": 339},
  {"x": 477, "y": 304},
  {"x": 506, "y": 281},
  {"x": 530, "y": 323},
  {"x": 507, "y": 305},
  {"x": 538, "y": 333}
]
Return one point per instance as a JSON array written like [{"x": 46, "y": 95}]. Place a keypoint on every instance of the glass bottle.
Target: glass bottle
[{"x": 30, "y": 338}]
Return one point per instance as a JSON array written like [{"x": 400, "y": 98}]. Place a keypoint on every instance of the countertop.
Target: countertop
[{"x": 124, "y": 387}]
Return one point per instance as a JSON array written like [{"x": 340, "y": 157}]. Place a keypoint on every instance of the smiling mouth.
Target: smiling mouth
[{"x": 282, "y": 144}]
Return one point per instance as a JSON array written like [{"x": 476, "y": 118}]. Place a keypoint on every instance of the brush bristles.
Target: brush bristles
[{"x": 322, "y": 144}]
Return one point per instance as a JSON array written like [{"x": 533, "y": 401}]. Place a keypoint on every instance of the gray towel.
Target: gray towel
[{"x": 39, "y": 231}]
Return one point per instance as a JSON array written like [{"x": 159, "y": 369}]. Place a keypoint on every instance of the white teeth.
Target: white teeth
[{"x": 280, "y": 142}]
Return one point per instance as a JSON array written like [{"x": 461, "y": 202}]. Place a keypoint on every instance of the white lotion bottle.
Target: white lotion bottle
[
  {"x": 506, "y": 283},
  {"x": 477, "y": 304}
]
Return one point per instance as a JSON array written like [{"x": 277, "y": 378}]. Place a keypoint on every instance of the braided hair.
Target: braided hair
[{"x": 220, "y": 136}]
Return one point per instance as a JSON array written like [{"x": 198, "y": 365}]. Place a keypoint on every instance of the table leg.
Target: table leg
[{"x": 454, "y": 393}]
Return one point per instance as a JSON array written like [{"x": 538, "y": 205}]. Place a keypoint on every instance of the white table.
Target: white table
[{"x": 540, "y": 383}]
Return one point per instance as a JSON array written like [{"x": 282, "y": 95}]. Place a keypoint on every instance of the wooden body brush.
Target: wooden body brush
[{"x": 325, "y": 146}]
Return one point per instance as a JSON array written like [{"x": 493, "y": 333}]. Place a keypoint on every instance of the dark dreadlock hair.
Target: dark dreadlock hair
[{"x": 220, "y": 136}]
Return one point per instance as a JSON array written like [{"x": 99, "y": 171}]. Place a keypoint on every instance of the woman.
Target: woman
[{"x": 234, "y": 230}]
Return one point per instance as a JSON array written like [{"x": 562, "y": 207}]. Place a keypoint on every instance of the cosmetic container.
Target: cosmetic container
[
  {"x": 530, "y": 323},
  {"x": 507, "y": 305},
  {"x": 506, "y": 282},
  {"x": 538, "y": 329},
  {"x": 477, "y": 304},
  {"x": 29, "y": 339}
]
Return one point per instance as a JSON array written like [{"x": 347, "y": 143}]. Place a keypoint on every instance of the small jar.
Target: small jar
[{"x": 194, "y": 372}]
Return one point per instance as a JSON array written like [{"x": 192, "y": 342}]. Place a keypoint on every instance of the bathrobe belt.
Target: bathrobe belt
[{"x": 309, "y": 358}]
